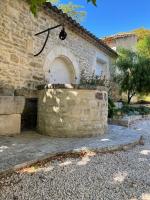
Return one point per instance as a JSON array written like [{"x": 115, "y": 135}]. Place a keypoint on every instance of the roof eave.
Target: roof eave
[{"x": 80, "y": 29}]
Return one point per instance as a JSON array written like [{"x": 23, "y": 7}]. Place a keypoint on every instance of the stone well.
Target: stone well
[{"x": 72, "y": 112}]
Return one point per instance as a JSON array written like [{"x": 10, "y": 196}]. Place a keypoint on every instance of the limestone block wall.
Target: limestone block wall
[
  {"x": 10, "y": 114},
  {"x": 72, "y": 112},
  {"x": 18, "y": 66},
  {"x": 127, "y": 42}
]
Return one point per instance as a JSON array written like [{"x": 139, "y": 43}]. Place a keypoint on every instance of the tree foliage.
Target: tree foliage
[
  {"x": 92, "y": 1},
  {"x": 141, "y": 33},
  {"x": 71, "y": 9},
  {"x": 134, "y": 73},
  {"x": 143, "y": 46}
]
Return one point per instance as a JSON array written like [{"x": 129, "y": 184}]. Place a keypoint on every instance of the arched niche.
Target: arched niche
[{"x": 61, "y": 67}]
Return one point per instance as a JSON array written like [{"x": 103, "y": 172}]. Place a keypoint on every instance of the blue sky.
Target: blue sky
[{"x": 113, "y": 16}]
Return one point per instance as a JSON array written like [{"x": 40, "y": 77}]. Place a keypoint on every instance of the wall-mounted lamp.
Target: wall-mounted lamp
[{"x": 62, "y": 36}]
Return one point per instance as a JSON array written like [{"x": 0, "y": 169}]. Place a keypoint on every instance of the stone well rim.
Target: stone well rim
[{"x": 71, "y": 86}]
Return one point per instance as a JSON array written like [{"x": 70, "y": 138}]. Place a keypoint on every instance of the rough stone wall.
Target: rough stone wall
[
  {"x": 10, "y": 114},
  {"x": 128, "y": 42},
  {"x": 18, "y": 67},
  {"x": 72, "y": 112}
]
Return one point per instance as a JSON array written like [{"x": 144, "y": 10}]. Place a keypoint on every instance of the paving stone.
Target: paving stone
[
  {"x": 122, "y": 175},
  {"x": 30, "y": 146}
]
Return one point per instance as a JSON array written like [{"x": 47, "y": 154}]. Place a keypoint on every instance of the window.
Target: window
[{"x": 99, "y": 68}]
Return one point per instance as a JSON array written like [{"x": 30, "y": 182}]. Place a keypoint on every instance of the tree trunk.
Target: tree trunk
[
  {"x": 129, "y": 100},
  {"x": 130, "y": 97}
]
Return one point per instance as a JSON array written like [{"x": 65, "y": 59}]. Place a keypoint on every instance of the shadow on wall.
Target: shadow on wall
[
  {"x": 54, "y": 94},
  {"x": 71, "y": 112}
]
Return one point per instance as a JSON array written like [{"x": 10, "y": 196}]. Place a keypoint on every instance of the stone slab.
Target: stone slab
[
  {"x": 6, "y": 91},
  {"x": 30, "y": 147},
  {"x": 11, "y": 104},
  {"x": 10, "y": 124}
]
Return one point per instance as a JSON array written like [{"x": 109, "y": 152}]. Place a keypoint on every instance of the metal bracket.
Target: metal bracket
[{"x": 48, "y": 32}]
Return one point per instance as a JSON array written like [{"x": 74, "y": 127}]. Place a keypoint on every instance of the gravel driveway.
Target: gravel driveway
[{"x": 117, "y": 176}]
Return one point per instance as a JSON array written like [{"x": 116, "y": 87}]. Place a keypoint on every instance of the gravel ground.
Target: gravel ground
[{"x": 118, "y": 176}]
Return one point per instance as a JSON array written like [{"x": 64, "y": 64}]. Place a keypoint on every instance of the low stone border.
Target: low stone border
[{"x": 127, "y": 122}]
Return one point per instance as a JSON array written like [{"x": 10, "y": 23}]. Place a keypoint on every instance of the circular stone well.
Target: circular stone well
[{"x": 69, "y": 112}]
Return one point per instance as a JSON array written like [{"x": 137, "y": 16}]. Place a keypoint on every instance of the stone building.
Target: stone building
[
  {"x": 124, "y": 40},
  {"x": 60, "y": 62},
  {"x": 127, "y": 41}
]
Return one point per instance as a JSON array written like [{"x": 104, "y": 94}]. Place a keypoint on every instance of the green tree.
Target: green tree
[
  {"x": 133, "y": 74},
  {"x": 141, "y": 33},
  {"x": 143, "y": 46},
  {"x": 71, "y": 9}
]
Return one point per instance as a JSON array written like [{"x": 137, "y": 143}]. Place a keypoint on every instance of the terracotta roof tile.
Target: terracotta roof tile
[{"x": 117, "y": 36}]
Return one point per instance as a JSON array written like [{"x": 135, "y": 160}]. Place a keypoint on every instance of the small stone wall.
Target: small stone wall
[
  {"x": 11, "y": 108},
  {"x": 127, "y": 121},
  {"x": 72, "y": 112}
]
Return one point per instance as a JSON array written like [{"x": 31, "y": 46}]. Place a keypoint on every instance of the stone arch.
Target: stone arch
[{"x": 66, "y": 58}]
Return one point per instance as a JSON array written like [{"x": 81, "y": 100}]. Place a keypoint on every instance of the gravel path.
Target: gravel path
[{"x": 117, "y": 176}]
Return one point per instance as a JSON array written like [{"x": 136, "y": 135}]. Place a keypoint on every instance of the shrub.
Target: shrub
[
  {"x": 111, "y": 108},
  {"x": 92, "y": 80},
  {"x": 130, "y": 110}
]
